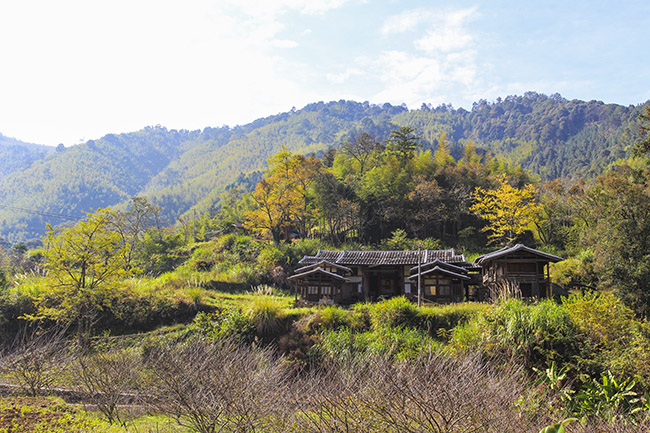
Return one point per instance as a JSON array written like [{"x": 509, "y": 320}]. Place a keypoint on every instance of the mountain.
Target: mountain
[
  {"x": 17, "y": 155},
  {"x": 180, "y": 170}
]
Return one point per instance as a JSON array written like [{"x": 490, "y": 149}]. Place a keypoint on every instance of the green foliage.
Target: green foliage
[
  {"x": 575, "y": 272},
  {"x": 83, "y": 263},
  {"x": 393, "y": 312},
  {"x": 535, "y": 334},
  {"x": 614, "y": 339},
  {"x": 558, "y": 427},
  {"x": 181, "y": 170},
  {"x": 330, "y": 318},
  {"x": 265, "y": 313},
  {"x": 40, "y": 415},
  {"x": 439, "y": 321},
  {"x": 396, "y": 342},
  {"x": 229, "y": 323},
  {"x": 618, "y": 231},
  {"x": 608, "y": 397}
]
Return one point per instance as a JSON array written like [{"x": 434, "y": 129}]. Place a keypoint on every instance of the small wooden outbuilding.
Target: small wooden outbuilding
[{"x": 524, "y": 266}]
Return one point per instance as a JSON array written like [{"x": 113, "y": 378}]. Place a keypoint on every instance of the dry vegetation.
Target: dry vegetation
[{"x": 221, "y": 385}]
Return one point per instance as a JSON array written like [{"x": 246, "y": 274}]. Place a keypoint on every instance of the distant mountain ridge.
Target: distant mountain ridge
[
  {"x": 17, "y": 155},
  {"x": 181, "y": 170}
]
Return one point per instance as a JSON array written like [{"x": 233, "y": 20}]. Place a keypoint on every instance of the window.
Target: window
[
  {"x": 326, "y": 290},
  {"x": 312, "y": 290},
  {"x": 521, "y": 268}
]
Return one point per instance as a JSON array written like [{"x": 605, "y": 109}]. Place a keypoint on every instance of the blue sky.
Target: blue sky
[{"x": 74, "y": 70}]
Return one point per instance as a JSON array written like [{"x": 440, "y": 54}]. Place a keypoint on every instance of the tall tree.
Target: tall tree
[
  {"x": 442, "y": 155},
  {"x": 509, "y": 211},
  {"x": 403, "y": 143},
  {"x": 82, "y": 262},
  {"x": 140, "y": 217},
  {"x": 361, "y": 149},
  {"x": 282, "y": 196},
  {"x": 643, "y": 146},
  {"x": 620, "y": 234}
]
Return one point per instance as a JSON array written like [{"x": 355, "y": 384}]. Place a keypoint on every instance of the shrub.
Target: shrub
[
  {"x": 34, "y": 362},
  {"x": 536, "y": 334},
  {"x": 608, "y": 398},
  {"x": 230, "y": 324},
  {"x": 614, "y": 339},
  {"x": 441, "y": 320},
  {"x": 218, "y": 386},
  {"x": 432, "y": 393},
  {"x": 265, "y": 313},
  {"x": 393, "y": 312},
  {"x": 395, "y": 342},
  {"x": 108, "y": 378}
]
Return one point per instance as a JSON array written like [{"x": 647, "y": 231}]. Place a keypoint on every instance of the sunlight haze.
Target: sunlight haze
[{"x": 77, "y": 70}]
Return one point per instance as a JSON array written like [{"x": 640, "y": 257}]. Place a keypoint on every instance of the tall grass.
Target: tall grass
[
  {"x": 535, "y": 334},
  {"x": 265, "y": 313}
]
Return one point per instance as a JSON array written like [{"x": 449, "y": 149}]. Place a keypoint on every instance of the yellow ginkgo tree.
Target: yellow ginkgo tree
[
  {"x": 282, "y": 197},
  {"x": 509, "y": 211}
]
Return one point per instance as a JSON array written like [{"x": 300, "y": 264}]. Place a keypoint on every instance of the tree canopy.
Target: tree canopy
[{"x": 83, "y": 262}]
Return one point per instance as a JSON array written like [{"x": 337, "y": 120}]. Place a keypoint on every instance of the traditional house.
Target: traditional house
[
  {"x": 526, "y": 267},
  {"x": 351, "y": 276},
  {"x": 345, "y": 277}
]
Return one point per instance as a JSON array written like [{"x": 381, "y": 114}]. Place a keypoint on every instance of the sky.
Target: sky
[{"x": 75, "y": 70}]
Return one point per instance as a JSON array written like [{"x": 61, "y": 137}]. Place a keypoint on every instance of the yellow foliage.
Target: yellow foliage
[
  {"x": 281, "y": 196},
  {"x": 509, "y": 211}
]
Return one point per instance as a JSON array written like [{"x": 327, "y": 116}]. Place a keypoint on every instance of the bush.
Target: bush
[
  {"x": 535, "y": 334},
  {"x": 614, "y": 340},
  {"x": 440, "y": 321},
  {"x": 393, "y": 312},
  {"x": 328, "y": 318},
  {"x": 227, "y": 324},
  {"x": 395, "y": 342},
  {"x": 265, "y": 313}
]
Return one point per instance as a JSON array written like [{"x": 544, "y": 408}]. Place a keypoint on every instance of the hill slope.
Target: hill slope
[
  {"x": 183, "y": 169},
  {"x": 17, "y": 155}
]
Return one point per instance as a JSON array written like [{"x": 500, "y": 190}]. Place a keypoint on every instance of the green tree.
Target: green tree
[
  {"x": 509, "y": 211},
  {"x": 643, "y": 146},
  {"x": 620, "y": 235},
  {"x": 442, "y": 155},
  {"x": 83, "y": 262},
  {"x": 361, "y": 149},
  {"x": 132, "y": 225},
  {"x": 403, "y": 143}
]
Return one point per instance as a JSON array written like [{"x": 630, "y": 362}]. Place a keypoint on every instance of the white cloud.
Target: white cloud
[
  {"x": 344, "y": 76},
  {"x": 443, "y": 60},
  {"x": 284, "y": 43},
  {"x": 74, "y": 69},
  {"x": 274, "y": 8},
  {"x": 406, "y": 21}
]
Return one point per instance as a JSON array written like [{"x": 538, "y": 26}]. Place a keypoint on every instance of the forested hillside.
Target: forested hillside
[
  {"x": 180, "y": 170},
  {"x": 17, "y": 155}
]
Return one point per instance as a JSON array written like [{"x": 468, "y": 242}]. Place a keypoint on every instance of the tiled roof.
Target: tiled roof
[
  {"x": 319, "y": 271},
  {"x": 519, "y": 247},
  {"x": 379, "y": 258},
  {"x": 438, "y": 262},
  {"x": 439, "y": 270},
  {"x": 324, "y": 263}
]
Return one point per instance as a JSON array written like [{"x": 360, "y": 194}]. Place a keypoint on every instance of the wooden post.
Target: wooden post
[
  {"x": 419, "y": 277},
  {"x": 548, "y": 278}
]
